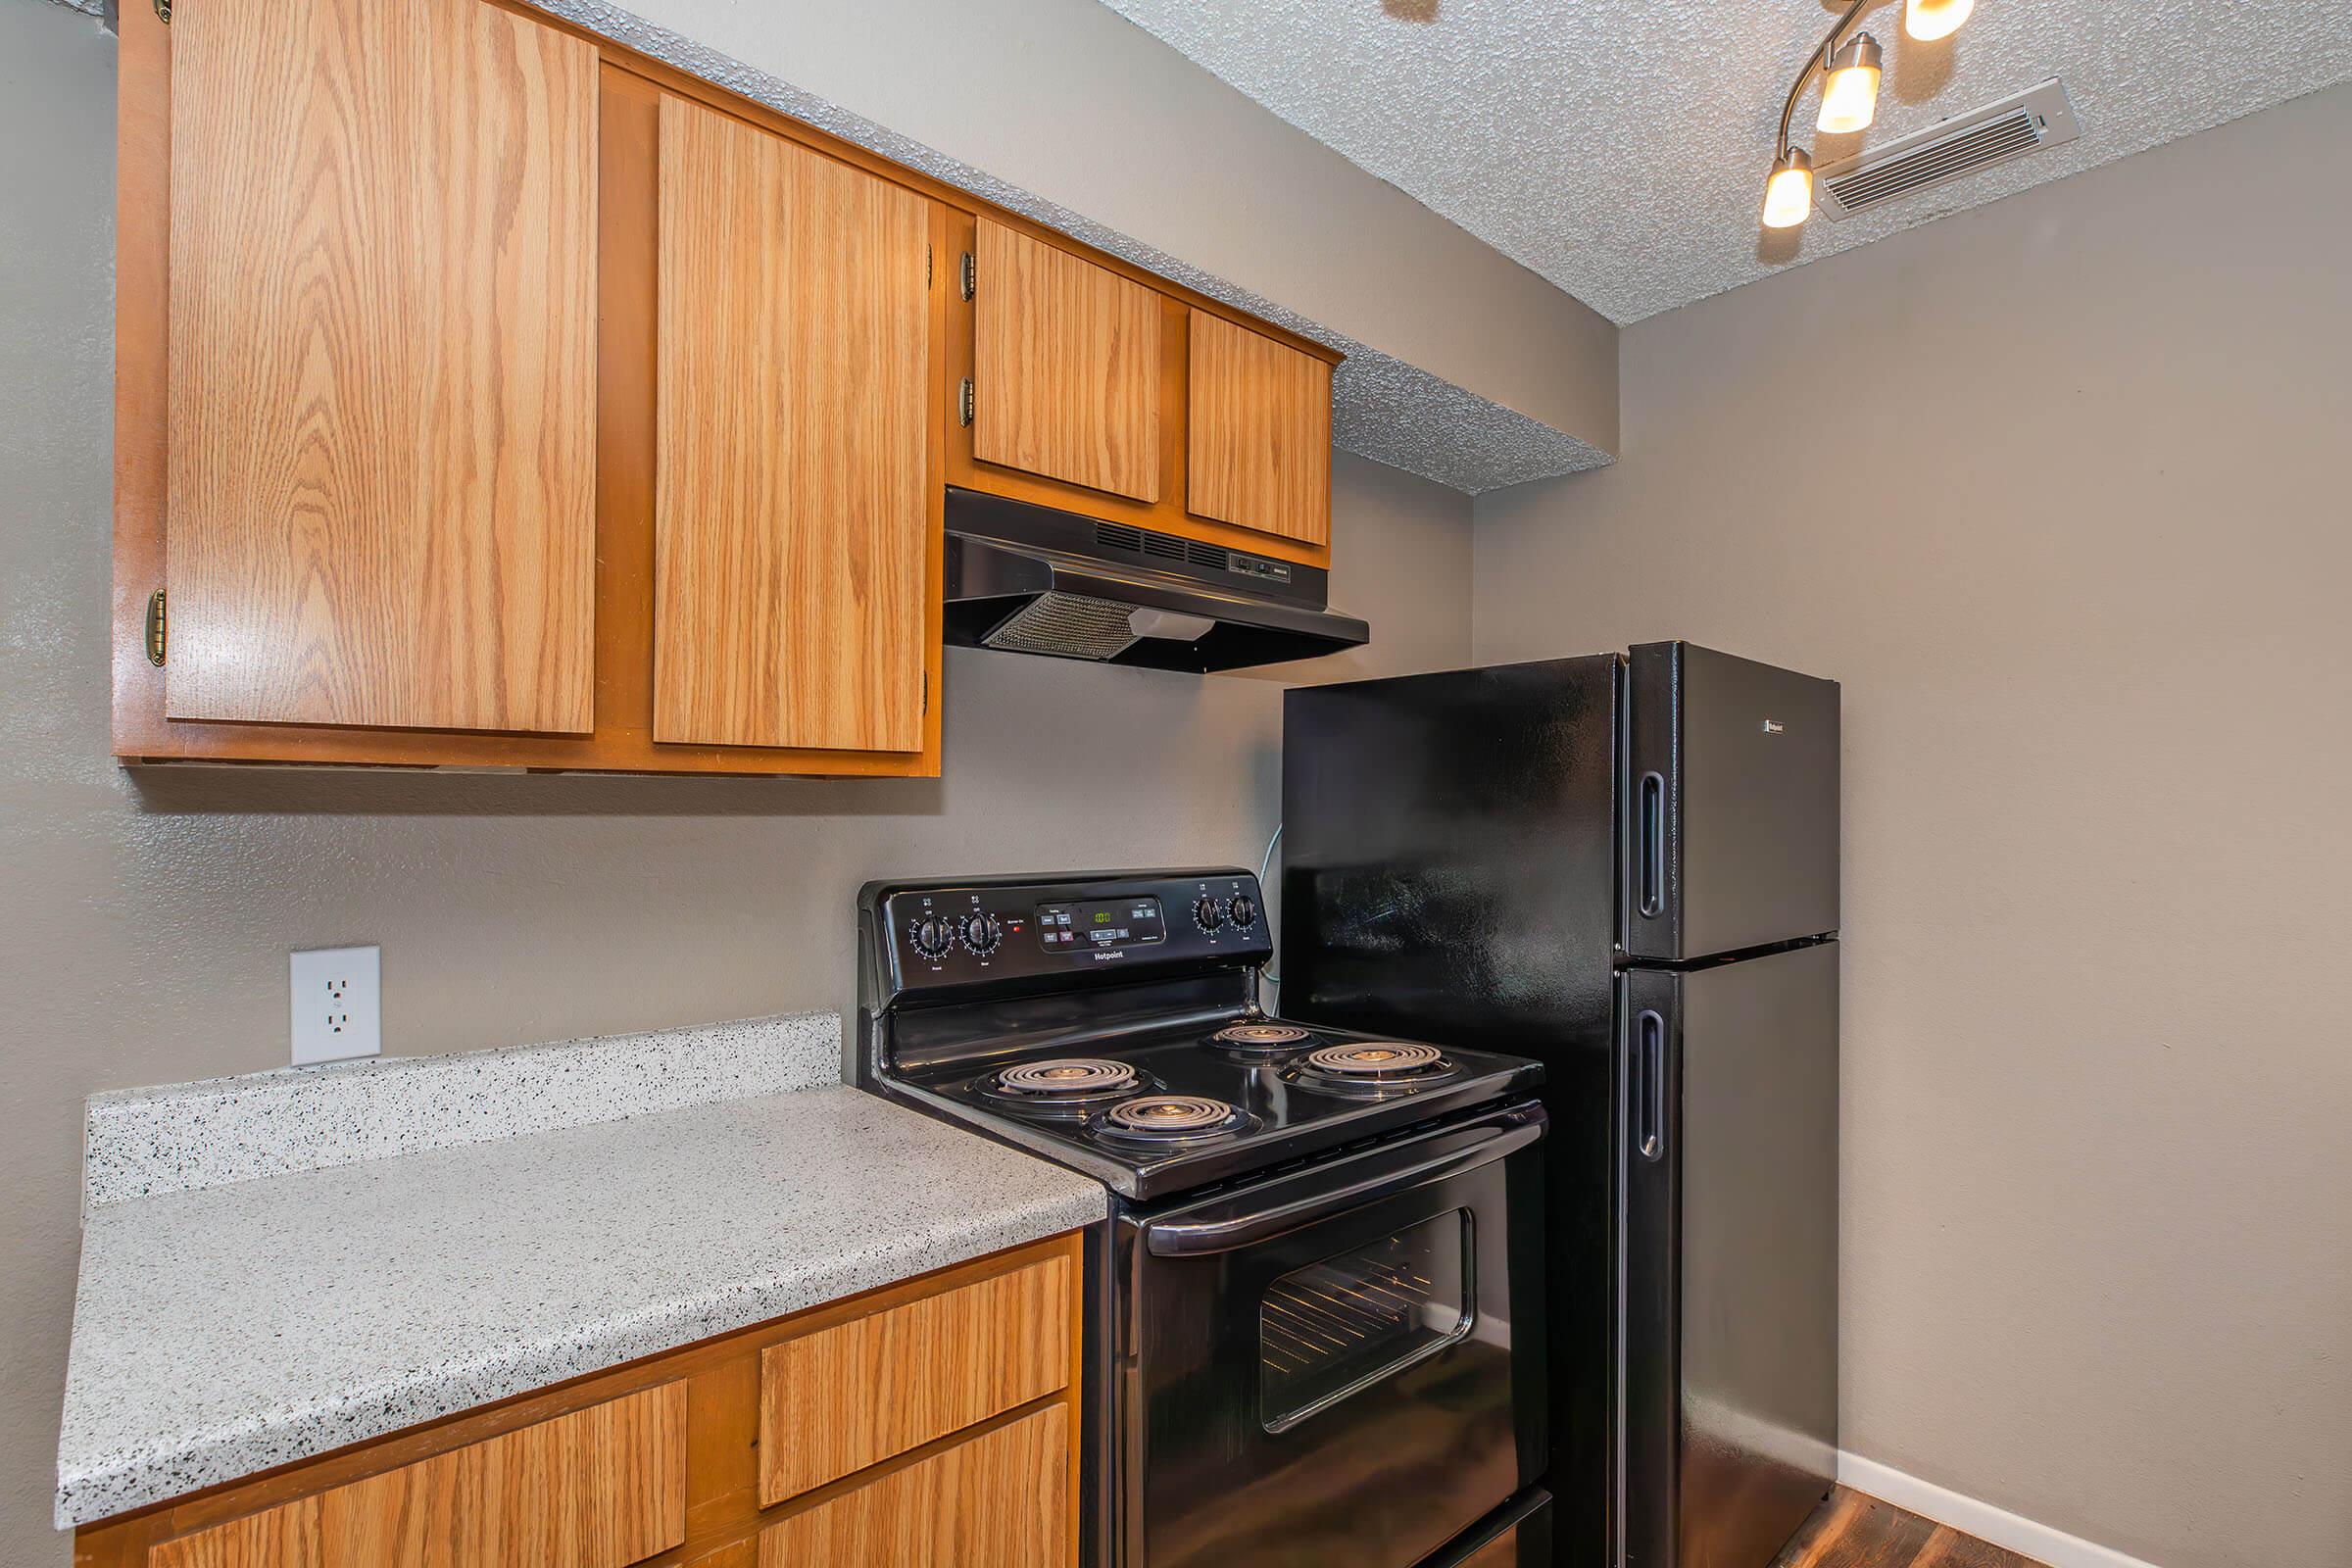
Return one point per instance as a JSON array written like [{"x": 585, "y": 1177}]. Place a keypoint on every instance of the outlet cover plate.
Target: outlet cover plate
[{"x": 337, "y": 1003}]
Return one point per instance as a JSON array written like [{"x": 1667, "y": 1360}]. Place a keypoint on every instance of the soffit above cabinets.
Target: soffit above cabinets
[
  {"x": 1619, "y": 148},
  {"x": 1463, "y": 422}
]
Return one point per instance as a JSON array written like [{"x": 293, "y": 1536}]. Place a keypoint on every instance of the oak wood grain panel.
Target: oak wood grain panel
[
  {"x": 382, "y": 366},
  {"x": 790, "y": 505},
  {"x": 628, "y": 218},
  {"x": 834, "y": 1402},
  {"x": 600, "y": 1487},
  {"x": 998, "y": 1500},
  {"x": 1259, "y": 432},
  {"x": 1066, "y": 365},
  {"x": 1165, "y": 515}
]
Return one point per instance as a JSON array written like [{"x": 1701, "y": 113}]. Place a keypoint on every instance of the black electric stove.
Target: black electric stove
[
  {"x": 1318, "y": 1241},
  {"x": 1165, "y": 1109}
]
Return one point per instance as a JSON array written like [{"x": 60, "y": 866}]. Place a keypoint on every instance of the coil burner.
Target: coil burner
[
  {"x": 1162, "y": 1120},
  {"x": 1065, "y": 1086},
  {"x": 1260, "y": 1041},
  {"x": 1373, "y": 1069}
]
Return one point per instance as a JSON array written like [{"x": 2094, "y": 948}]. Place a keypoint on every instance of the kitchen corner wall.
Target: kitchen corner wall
[
  {"x": 148, "y": 913},
  {"x": 2061, "y": 489}
]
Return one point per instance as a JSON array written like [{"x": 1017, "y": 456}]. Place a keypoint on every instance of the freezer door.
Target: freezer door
[
  {"x": 1729, "y": 819},
  {"x": 1449, "y": 855},
  {"x": 1728, "y": 1352}
]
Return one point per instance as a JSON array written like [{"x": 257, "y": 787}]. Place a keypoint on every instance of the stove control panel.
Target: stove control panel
[
  {"x": 1103, "y": 922},
  {"x": 954, "y": 935}
]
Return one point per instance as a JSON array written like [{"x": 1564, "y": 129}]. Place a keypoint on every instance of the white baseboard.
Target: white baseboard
[{"x": 1982, "y": 1520}]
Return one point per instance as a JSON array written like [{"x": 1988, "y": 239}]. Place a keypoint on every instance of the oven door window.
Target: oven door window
[{"x": 1343, "y": 1323}]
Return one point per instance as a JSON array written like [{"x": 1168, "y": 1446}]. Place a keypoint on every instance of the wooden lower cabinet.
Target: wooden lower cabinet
[
  {"x": 837, "y": 1400},
  {"x": 930, "y": 1422},
  {"x": 600, "y": 1487},
  {"x": 998, "y": 1500}
]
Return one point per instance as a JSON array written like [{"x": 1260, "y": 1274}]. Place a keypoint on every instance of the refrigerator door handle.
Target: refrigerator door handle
[
  {"x": 1649, "y": 1084},
  {"x": 1651, "y": 881}
]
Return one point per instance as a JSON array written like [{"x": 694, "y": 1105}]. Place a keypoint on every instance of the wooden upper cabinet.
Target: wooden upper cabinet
[
  {"x": 1258, "y": 452},
  {"x": 1065, "y": 366},
  {"x": 382, "y": 331},
  {"x": 792, "y": 497}
]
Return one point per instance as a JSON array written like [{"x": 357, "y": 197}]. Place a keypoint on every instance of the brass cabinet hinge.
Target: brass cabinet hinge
[
  {"x": 155, "y": 628},
  {"x": 162, "y": 11},
  {"x": 963, "y": 401},
  {"x": 926, "y": 266},
  {"x": 971, "y": 276},
  {"x": 926, "y": 691}
]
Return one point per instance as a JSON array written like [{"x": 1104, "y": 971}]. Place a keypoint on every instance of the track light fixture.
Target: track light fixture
[{"x": 1849, "y": 97}]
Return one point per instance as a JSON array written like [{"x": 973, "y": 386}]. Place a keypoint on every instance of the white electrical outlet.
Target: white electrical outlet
[{"x": 337, "y": 1011}]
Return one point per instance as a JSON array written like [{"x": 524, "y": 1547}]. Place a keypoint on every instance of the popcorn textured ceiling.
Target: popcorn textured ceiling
[{"x": 1618, "y": 147}]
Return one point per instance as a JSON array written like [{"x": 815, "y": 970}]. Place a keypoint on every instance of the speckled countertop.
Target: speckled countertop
[{"x": 221, "y": 1331}]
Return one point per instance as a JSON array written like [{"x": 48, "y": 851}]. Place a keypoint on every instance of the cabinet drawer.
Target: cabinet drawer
[
  {"x": 599, "y": 1487},
  {"x": 998, "y": 1500},
  {"x": 853, "y": 1395}
]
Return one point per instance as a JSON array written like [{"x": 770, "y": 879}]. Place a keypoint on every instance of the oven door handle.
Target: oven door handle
[{"x": 1365, "y": 1180}]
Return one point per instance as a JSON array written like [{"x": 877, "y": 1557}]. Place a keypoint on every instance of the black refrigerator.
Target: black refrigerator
[{"x": 1625, "y": 865}]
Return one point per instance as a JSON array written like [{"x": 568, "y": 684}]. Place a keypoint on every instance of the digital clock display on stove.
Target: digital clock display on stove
[{"x": 1108, "y": 923}]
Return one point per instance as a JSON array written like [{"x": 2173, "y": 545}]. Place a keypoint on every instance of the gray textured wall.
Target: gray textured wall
[
  {"x": 147, "y": 914},
  {"x": 2059, "y": 489}
]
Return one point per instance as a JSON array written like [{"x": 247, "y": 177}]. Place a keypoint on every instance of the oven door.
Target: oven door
[{"x": 1340, "y": 1365}]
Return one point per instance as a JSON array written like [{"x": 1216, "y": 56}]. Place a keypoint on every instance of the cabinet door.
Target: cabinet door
[
  {"x": 382, "y": 342},
  {"x": 791, "y": 498},
  {"x": 998, "y": 1500},
  {"x": 1065, "y": 366},
  {"x": 1258, "y": 437}
]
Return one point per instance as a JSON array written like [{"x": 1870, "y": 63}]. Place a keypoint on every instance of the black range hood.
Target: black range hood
[{"x": 1034, "y": 580}]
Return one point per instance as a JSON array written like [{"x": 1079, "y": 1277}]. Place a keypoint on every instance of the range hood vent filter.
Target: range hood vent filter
[
  {"x": 2021, "y": 122},
  {"x": 1070, "y": 625}
]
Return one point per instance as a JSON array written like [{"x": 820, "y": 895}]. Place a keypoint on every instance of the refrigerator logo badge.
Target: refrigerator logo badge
[{"x": 1773, "y": 726}]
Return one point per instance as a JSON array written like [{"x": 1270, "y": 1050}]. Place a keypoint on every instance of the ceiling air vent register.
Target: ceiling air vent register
[{"x": 2020, "y": 123}]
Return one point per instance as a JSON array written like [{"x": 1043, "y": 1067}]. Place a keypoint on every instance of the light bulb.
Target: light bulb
[
  {"x": 1789, "y": 193},
  {"x": 1850, "y": 95},
  {"x": 1931, "y": 20}
]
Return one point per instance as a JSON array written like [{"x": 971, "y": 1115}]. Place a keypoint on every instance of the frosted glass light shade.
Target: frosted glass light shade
[
  {"x": 1789, "y": 193},
  {"x": 1931, "y": 20},
  {"x": 1849, "y": 98}
]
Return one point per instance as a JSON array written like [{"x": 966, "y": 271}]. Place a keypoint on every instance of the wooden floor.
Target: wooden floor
[{"x": 1852, "y": 1531}]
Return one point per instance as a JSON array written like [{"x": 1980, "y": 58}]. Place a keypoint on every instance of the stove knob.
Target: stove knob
[
  {"x": 981, "y": 933},
  {"x": 1208, "y": 912},
  {"x": 932, "y": 937},
  {"x": 1245, "y": 910}
]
